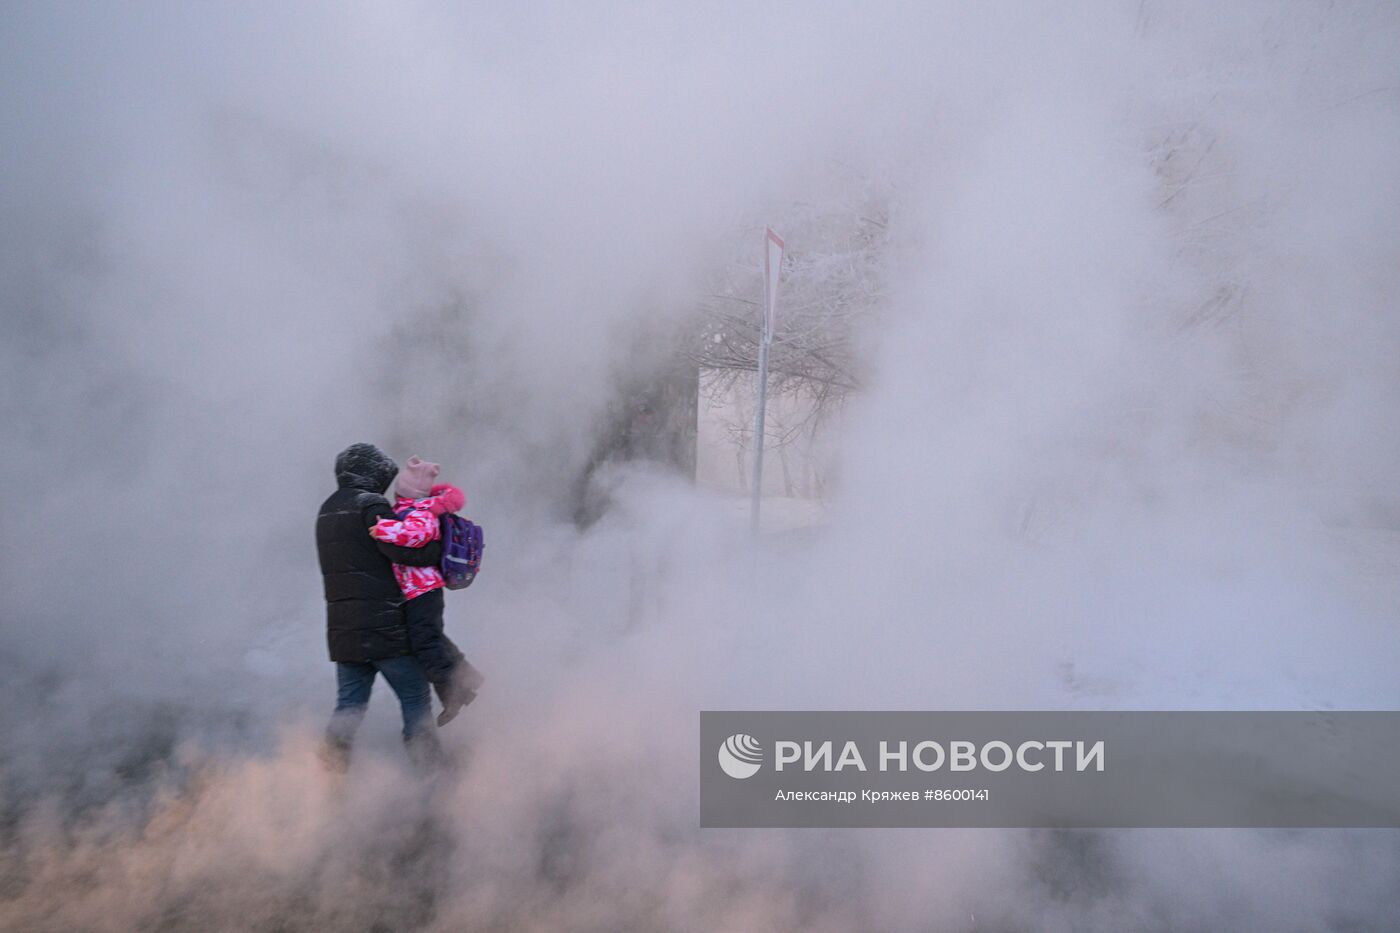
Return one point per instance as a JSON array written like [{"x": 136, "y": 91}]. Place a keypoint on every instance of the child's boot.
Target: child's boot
[{"x": 458, "y": 690}]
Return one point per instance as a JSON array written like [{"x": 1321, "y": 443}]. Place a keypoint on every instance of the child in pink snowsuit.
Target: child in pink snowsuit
[{"x": 417, "y": 505}]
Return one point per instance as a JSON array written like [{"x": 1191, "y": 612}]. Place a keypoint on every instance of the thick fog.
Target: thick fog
[{"x": 1125, "y": 440}]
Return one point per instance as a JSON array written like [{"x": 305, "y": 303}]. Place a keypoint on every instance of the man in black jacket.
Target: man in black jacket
[{"x": 365, "y": 627}]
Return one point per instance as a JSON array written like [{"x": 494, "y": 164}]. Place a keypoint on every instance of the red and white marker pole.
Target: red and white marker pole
[{"x": 772, "y": 270}]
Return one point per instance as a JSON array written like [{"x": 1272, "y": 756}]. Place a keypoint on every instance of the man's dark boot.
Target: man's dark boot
[
  {"x": 334, "y": 754},
  {"x": 426, "y": 752}
]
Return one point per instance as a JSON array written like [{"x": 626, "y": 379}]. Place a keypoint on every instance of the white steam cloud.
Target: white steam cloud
[{"x": 1127, "y": 441}]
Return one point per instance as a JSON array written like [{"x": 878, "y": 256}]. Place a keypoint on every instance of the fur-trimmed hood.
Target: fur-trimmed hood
[{"x": 365, "y": 466}]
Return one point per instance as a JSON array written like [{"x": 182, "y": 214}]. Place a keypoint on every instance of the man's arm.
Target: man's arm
[
  {"x": 415, "y": 529},
  {"x": 429, "y": 555}
]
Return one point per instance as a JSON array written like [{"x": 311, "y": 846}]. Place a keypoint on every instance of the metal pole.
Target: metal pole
[
  {"x": 770, "y": 314},
  {"x": 758, "y": 428}
]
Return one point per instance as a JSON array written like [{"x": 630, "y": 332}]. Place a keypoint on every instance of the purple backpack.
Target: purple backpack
[{"x": 462, "y": 545}]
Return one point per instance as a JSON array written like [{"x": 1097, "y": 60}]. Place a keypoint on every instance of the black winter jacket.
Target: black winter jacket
[{"x": 364, "y": 605}]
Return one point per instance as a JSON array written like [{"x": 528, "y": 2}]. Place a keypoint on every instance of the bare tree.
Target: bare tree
[{"x": 833, "y": 280}]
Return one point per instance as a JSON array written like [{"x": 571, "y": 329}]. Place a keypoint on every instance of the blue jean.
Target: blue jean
[{"x": 353, "y": 685}]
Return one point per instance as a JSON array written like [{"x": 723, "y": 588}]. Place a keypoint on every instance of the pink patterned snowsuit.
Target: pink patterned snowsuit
[{"x": 416, "y": 529}]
